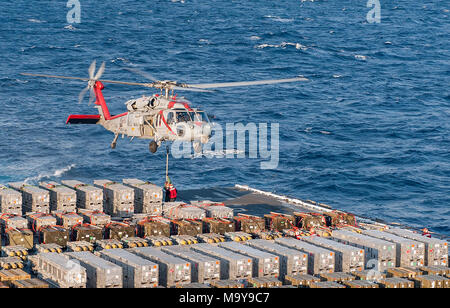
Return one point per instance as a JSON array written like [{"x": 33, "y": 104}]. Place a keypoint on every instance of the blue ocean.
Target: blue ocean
[{"x": 368, "y": 133}]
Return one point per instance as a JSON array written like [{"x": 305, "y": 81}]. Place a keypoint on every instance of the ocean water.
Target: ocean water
[{"x": 369, "y": 133}]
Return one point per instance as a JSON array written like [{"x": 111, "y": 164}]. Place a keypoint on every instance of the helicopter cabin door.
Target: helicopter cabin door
[{"x": 135, "y": 121}]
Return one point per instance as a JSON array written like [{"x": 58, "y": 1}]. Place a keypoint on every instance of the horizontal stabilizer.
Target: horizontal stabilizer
[{"x": 83, "y": 119}]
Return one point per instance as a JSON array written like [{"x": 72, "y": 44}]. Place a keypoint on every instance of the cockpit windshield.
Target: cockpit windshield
[{"x": 183, "y": 116}]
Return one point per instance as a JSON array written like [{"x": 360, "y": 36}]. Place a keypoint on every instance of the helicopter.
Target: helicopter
[{"x": 163, "y": 117}]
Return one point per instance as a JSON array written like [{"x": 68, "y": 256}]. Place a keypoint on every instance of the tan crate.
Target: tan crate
[
  {"x": 300, "y": 280},
  {"x": 13, "y": 274},
  {"x": 33, "y": 283},
  {"x": 361, "y": 284}
]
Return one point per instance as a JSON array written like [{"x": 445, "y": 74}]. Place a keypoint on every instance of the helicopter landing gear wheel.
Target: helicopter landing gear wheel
[{"x": 153, "y": 147}]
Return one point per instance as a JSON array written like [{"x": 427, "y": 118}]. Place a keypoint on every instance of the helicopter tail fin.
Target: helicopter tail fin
[
  {"x": 83, "y": 119},
  {"x": 100, "y": 100}
]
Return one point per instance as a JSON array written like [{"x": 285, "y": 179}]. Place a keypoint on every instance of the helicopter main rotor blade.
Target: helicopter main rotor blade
[
  {"x": 100, "y": 72},
  {"x": 244, "y": 83},
  {"x": 53, "y": 76},
  {"x": 139, "y": 72},
  {"x": 190, "y": 89}
]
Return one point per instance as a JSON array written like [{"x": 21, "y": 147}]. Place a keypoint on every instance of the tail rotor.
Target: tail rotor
[{"x": 93, "y": 78}]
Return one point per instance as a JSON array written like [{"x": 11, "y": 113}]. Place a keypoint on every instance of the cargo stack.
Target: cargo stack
[
  {"x": 119, "y": 230},
  {"x": 40, "y": 220},
  {"x": 232, "y": 265},
  {"x": 97, "y": 218},
  {"x": 118, "y": 198},
  {"x": 88, "y": 197},
  {"x": 34, "y": 199},
  {"x": 218, "y": 225},
  {"x": 87, "y": 232},
  {"x": 154, "y": 226},
  {"x": 184, "y": 211},
  {"x": 100, "y": 273},
  {"x": 279, "y": 222},
  {"x": 320, "y": 260},
  {"x": 339, "y": 219},
  {"x": 409, "y": 252},
  {"x": 62, "y": 198},
  {"x": 347, "y": 258},
  {"x": 436, "y": 251},
  {"x": 19, "y": 237},
  {"x": 10, "y": 201},
  {"x": 137, "y": 271},
  {"x": 204, "y": 268},
  {"x": 186, "y": 227},
  {"x": 173, "y": 271},
  {"x": 309, "y": 221},
  {"x": 264, "y": 264},
  {"x": 68, "y": 220},
  {"x": 249, "y": 223},
  {"x": 379, "y": 254},
  {"x": 147, "y": 197},
  {"x": 432, "y": 282},
  {"x": 214, "y": 209},
  {"x": 54, "y": 235},
  {"x": 60, "y": 271},
  {"x": 292, "y": 262}
]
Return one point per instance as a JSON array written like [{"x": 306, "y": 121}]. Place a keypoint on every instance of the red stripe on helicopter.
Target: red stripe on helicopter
[
  {"x": 165, "y": 123},
  {"x": 172, "y": 103},
  {"x": 118, "y": 116}
]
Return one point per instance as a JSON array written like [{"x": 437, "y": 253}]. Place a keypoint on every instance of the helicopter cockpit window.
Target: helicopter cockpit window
[
  {"x": 183, "y": 117},
  {"x": 170, "y": 118},
  {"x": 200, "y": 116}
]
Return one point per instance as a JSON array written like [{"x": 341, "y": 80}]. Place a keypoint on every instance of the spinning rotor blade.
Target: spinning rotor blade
[
  {"x": 100, "y": 72},
  {"x": 244, "y": 83},
  {"x": 191, "y": 89},
  {"x": 82, "y": 94},
  {"x": 139, "y": 72},
  {"x": 53, "y": 76},
  {"x": 92, "y": 69},
  {"x": 91, "y": 96}
]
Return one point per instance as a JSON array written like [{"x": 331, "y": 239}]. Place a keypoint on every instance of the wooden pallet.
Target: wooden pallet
[
  {"x": 13, "y": 274},
  {"x": 33, "y": 283}
]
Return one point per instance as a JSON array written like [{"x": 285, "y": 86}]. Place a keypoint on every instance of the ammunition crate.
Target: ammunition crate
[
  {"x": 32, "y": 283},
  {"x": 204, "y": 269},
  {"x": 308, "y": 221},
  {"x": 147, "y": 228},
  {"x": 108, "y": 244},
  {"x": 95, "y": 217},
  {"x": 173, "y": 271},
  {"x": 118, "y": 198},
  {"x": 227, "y": 284},
  {"x": 118, "y": 231},
  {"x": 39, "y": 220},
  {"x": 326, "y": 285},
  {"x": 337, "y": 277},
  {"x": 347, "y": 258},
  {"x": 211, "y": 238},
  {"x": 34, "y": 199},
  {"x": 15, "y": 251},
  {"x": 214, "y": 209},
  {"x": 361, "y": 284},
  {"x": 186, "y": 227},
  {"x": 13, "y": 274},
  {"x": 10, "y": 201},
  {"x": 279, "y": 222},
  {"x": 218, "y": 225},
  {"x": 396, "y": 283},
  {"x": 9, "y": 221},
  {"x": 62, "y": 198},
  {"x": 263, "y": 282},
  {"x": 60, "y": 271},
  {"x": 264, "y": 263},
  {"x": 249, "y": 224},
  {"x": 80, "y": 246},
  {"x": 436, "y": 270},
  {"x": 88, "y": 197},
  {"x": 238, "y": 236},
  {"x": 158, "y": 241},
  {"x": 100, "y": 273},
  {"x": 54, "y": 235},
  {"x": 184, "y": 239},
  {"x": 369, "y": 275},
  {"x": 431, "y": 282},
  {"x": 404, "y": 272},
  {"x": 23, "y": 238},
  {"x": 292, "y": 262},
  {"x": 380, "y": 251},
  {"x": 45, "y": 248},
  {"x": 232, "y": 265},
  {"x": 133, "y": 242},
  {"x": 68, "y": 220},
  {"x": 409, "y": 252},
  {"x": 338, "y": 219},
  {"x": 436, "y": 251},
  {"x": 320, "y": 260},
  {"x": 11, "y": 263},
  {"x": 267, "y": 235},
  {"x": 137, "y": 271},
  {"x": 147, "y": 197},
  {"x": 88, "y": 233},
  {"x": 183, "y": 211}
]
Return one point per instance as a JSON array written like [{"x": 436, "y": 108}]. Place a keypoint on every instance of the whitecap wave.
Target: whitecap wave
[
  {"x": 283, "y": 45},
  {"x": 279, "y": 19},
  {"x": 70, "y": 27},
  {"x": 361, "y": 57},
  {"x": 37, "y": 21},
  {"x": 57, "y": 173},
  {"x": 217, "y": 154}
]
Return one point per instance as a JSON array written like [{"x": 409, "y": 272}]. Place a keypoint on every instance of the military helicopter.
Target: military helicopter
[{"x": 160, "y": 117}]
